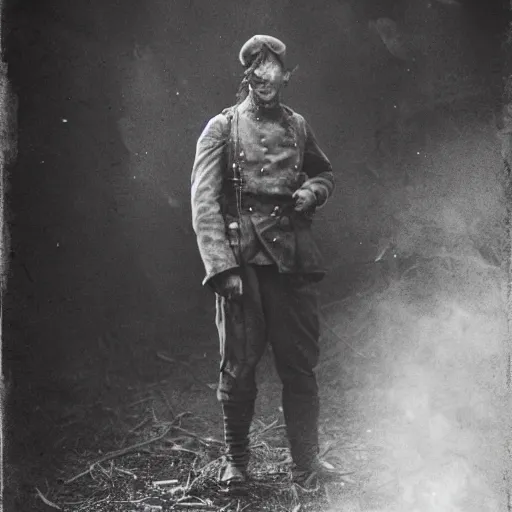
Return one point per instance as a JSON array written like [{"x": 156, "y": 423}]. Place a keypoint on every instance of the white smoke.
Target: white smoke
[{"x": 432, "y": 389}]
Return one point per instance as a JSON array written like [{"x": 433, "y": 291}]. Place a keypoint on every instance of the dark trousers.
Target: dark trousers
[{"x": 280, "y": 309}]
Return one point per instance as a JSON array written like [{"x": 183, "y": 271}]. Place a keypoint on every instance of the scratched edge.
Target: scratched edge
[
  {"x": 5, "y": 145},
  {"x": 3, "y": 121},
  {"x": 508, "y": 343}
]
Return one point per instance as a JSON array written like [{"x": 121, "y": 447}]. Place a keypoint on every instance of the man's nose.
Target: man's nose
[{"x": 269, "y": 78}]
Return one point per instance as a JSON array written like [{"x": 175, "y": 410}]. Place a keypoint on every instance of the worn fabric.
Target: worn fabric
[
  {"x": 237, "y": 418},
  {"x": 277, "y": 153},
  {"x": 282, "y": 310},
  {"x": 253, "y": 46}
]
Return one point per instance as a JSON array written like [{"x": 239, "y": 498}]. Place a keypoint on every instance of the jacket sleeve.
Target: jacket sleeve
[
  {"x": 318, "y": 169},
  {"x": 207, "y": 219}
]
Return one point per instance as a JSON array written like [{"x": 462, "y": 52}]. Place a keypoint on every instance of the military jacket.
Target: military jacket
[{"x": 274, "y": 152}]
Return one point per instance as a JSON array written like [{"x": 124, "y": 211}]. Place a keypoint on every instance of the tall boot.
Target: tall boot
[
  {"x": 301, "y": 415},
  {"x": 237, "y": 423}
]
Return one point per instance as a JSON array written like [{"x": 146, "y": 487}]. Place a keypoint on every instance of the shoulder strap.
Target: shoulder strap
[
  {"x": 232, "y": 148},
  {"x": 231, "y": 140}
]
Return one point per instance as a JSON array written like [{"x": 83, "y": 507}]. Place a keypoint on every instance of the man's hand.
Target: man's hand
[
  {"x": 229, "y": 285},
  {"x": 305, "y": 200}
]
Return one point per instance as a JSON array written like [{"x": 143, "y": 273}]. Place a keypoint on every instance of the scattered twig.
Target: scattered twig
[
  {"x": 75, "y": 502},
  {"x": 103, "y": 471},
  {"x": 168, "y": 359},
  {"x": 80, "y": 475},
  {"x": 211, "y": 463},
  {"x": 107, "y": 498},
  {"x": 223, "y": 509},
  {"x": 126, "y": 472},
  {"x": 166, "y": 400},
  {"x": 266, "y": 429},
  {"x": 306, "y": 490},
  {"x": 119, "y": 453},
  {"x": 347, "y": 480},
  {"x": 326, "y": 450},
  {"x": 178, "y": 418},
  {"x": 202, "y": 472},
  {"x": 166, "y": 482},
  {"x": 177, "y": 448},
  {"x": 134, "y": 501},
  {"x": 192, "y": 497},
  {"x": 295, "y": 493},
  {"x": 207, "y": 441},
  {"x": 202, "y": 506},
  {"x": 46, "y": 500},
  {"x": 139, "y": 425},
  {"x": 141, "y": 401},
  {"x": 261, "y": 444}
]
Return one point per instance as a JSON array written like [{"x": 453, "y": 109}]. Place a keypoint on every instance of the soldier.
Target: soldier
[{"x": 258, "y": 177}]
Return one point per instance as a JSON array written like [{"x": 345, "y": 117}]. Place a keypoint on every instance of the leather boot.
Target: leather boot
[
  {"x": 316, "y": 472},
  {"x": 237, "y": 422},
  {"x": 301, "y": 418}
]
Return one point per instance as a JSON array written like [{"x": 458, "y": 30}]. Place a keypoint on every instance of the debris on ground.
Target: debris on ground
[{"x": 173, "y": 466}]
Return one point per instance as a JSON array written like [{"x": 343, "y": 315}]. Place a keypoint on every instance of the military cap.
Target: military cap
[{"x": 254, "y": 45}]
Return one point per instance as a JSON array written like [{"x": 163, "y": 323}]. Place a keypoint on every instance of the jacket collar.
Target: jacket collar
[{"x": 251, "y": 106}]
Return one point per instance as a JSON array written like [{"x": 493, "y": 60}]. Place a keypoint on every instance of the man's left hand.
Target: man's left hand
[{"x": 305, "y": 200}]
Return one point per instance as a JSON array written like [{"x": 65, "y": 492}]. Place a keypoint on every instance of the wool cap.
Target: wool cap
[{"x": 253, "y": 46}]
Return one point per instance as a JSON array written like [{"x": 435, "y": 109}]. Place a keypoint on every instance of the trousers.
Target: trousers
[{"x": 280, "y": 310}]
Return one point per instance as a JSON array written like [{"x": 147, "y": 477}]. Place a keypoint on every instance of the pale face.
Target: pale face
[{"x": 268, "y": 79}]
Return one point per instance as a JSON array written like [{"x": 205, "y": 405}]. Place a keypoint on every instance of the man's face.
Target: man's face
[{"x": 268, "y": 79}]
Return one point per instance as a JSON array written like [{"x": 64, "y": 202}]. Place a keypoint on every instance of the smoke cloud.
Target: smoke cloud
[{"x": 431, "y": 391}]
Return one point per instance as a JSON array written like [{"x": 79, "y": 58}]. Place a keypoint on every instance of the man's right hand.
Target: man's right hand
[{"x": 229, "y": 285}]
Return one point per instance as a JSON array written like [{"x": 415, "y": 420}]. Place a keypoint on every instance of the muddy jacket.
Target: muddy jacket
[{"x": 275, "y": 153}]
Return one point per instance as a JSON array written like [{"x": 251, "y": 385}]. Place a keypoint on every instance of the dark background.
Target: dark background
[{"x": 112, "y": 96}]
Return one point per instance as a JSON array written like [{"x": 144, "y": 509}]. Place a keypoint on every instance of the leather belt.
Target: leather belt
[
  {"x": 275, "y": 207},
  {"x": 282, "y": 208}
]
